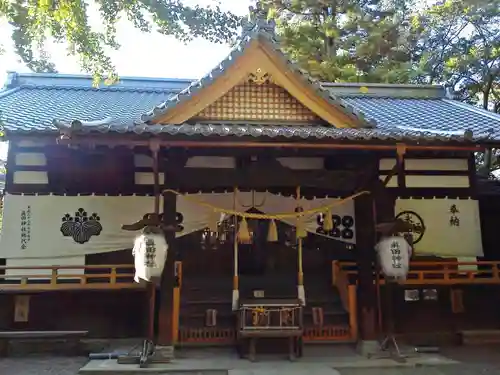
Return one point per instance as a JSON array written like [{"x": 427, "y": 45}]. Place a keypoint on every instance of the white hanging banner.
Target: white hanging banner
[
  {"x": 394, "y": 255},
  {"x": 452, "y": 226},
  {"x": 58, "y": 226},
  {"x": 61, "y": 226},
  {"x": 196, "y": 216}
]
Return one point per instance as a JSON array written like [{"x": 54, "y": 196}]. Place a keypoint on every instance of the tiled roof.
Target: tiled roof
[
  {"x": 438, "y": 114},
  {"x": 31, "y": 102},
  {"x": 261, "y": 32}
]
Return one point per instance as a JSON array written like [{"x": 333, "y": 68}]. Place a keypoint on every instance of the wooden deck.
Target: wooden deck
[
  {"x": 435, "y": 272},
  {"x": 60, "y": 278}
]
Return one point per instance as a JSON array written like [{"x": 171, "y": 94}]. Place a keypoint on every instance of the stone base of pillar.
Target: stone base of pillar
[
  {"x": 164, "y": 353},
  {"x": 368, "y": 348}
]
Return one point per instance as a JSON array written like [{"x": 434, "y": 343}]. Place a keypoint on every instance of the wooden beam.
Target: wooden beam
[
  {"x": 264, "y": 143},
  {"x": 260, "y": 176},
  {"x": 400, "y": 164},
  {"x": 365, "y": 257},
  {"x": 167, "y": 284}
]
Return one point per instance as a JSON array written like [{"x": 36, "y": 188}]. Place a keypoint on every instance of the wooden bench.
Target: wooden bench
[
  {"x": 260, "y": 319},
  {"x": 71, "y": 337}
]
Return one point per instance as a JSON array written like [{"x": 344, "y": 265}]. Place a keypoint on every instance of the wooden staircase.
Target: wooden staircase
[
  {"x": 326, "y": 300},
  {"x": 199, "y": 297},
  {"x": 274, "y": 286},
  {"x": 206, "y": 315}
]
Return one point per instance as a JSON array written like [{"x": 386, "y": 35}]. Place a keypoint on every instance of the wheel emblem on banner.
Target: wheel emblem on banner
[
  {"x": 343, "y": 227},
  {"x": 411, "y": 217}
]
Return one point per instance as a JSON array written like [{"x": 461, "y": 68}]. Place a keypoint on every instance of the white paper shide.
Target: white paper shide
[
  {"x": 150, "y": 253},
  {"x": 394, "y": 255}
]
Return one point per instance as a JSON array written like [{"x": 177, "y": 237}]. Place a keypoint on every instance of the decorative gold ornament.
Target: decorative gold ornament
[
  {"x": 260, "y": 316},
  {"x": 259, "y": 77}
]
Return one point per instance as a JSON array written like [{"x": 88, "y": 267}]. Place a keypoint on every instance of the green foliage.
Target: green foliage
[
  {"x": 460, "y": 46},
  {"x": 347, "y": 40},
  {"x": 452, "y": 42},
  {"x": 35, "y": 21}
]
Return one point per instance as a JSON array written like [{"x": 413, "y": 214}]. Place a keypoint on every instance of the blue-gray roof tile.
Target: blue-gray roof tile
[{"x": 31, "y": 103}]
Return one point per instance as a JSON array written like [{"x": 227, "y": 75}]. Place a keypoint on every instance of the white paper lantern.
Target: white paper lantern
[
  {"x": 394, "y": 255},
  {"x": 150, "y": 253}
]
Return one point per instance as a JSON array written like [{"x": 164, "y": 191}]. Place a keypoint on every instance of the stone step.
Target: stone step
[{"x": 480, "y": 337}]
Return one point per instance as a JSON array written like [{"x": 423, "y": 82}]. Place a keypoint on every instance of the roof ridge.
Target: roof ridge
[
  {"x": 11, "y": 74},
  {"x": 7, "y": 91},
  {"x": 378, "y": 84},
  {"x": 90, "y": 88},
  {"x": 374, "y": 96}
]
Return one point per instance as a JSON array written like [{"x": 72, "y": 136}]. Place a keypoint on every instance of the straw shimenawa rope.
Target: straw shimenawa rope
[{"x": 259, "y": 216}]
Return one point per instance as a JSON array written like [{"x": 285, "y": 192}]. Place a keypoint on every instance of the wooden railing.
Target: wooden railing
[
  {"x": 47, "y": 278},
  {"x": 348, "y": 296},
  {"x": 439, "y": 272}
]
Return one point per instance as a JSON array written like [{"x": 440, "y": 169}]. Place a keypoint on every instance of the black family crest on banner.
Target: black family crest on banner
[
  {"x": 343, "y": 227},
  {"x": 81, "y": 227},
  {"x": 411, "y": 217}
]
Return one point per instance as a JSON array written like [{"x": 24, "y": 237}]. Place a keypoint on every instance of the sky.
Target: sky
[{"x": 141, "y": 54}]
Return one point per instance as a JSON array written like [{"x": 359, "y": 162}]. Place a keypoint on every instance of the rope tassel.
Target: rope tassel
[
  {"x": 243, "y": 232},
  {"x": 328, "y": 221},
  {"x": 272, "y": 235}
]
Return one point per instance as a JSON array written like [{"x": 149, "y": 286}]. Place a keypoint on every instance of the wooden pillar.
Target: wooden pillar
[
  {"x": 365, "y": 257},
  {"x": 168, "y": 279}
]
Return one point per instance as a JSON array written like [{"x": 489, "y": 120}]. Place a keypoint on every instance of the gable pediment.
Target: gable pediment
[{"x": 256, "y": 83}]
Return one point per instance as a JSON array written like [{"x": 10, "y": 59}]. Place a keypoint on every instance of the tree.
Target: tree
[
  {"x": 35, "y": 22},
  {"x": 460, "y": 46},
  {"x": 347, "y": 40}
]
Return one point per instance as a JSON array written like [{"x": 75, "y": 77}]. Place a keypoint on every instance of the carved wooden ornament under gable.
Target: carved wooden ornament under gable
[{"x": 259, "y": 77}]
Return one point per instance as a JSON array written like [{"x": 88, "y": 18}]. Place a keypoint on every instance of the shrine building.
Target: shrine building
[{"x": 272, "y": 190}]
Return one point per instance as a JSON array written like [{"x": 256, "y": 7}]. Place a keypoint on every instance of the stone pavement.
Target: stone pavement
[
  {"x": 43, "y": 365},
  {"x": 469, "y": 361}
]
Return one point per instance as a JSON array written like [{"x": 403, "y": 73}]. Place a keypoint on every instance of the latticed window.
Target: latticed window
[{"x": 253, "y": 102}]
